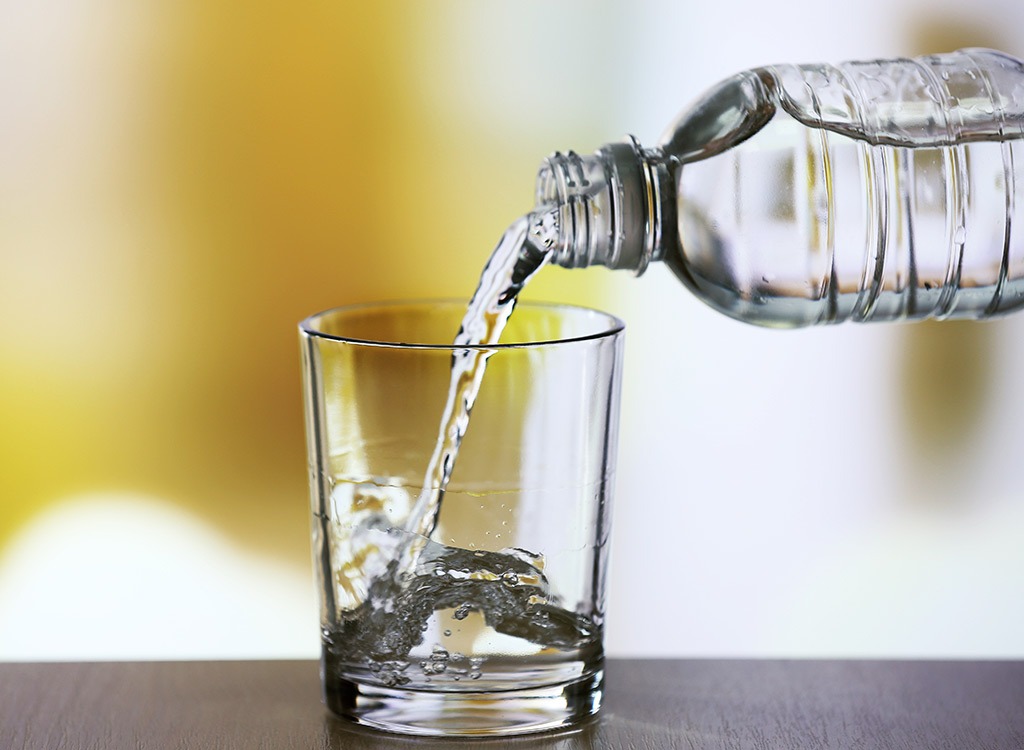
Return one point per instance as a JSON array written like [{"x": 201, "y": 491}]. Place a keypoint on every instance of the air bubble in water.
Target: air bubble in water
[
  {"x": 394, "y": 679},
  {"x": 437, "y": 663}
]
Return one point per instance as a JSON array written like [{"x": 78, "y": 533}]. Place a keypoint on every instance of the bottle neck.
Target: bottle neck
[{"x": 615, "y": 206}]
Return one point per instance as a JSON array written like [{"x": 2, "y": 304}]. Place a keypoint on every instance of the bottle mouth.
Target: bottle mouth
[
  {"x": 606, "y": 206},
  {"x": 562, "y": 184}
]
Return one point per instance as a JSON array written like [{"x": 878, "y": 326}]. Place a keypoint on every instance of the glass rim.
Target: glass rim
[{"x": 612, "y": 327}]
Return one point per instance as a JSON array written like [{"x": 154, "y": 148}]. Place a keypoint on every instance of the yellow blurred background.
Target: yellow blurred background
[
  {"x": 183, "y": 186},
  {"x": 181, "y": 183}
]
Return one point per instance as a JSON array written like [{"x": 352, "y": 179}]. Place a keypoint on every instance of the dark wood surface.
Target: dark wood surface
[{"x": 690, "y": 704}]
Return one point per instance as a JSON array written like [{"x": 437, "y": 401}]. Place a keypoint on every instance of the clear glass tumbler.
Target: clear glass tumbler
[{"x": 491, "y": 623}]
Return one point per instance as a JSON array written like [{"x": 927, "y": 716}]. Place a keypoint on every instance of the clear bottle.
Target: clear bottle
[{"x": 799, "y": 195}]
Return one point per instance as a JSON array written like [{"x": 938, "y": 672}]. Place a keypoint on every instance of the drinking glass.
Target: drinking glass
[{"x": 487, "y": 619}]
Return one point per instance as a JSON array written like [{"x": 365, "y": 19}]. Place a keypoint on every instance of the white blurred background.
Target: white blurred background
[{"x": 850, "y": 491}]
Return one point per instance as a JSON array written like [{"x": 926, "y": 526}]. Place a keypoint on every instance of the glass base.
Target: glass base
[{"x": 435, "y": 713}]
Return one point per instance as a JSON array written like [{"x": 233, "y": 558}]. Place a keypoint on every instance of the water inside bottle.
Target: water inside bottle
[{"x": 866, "y": 192}]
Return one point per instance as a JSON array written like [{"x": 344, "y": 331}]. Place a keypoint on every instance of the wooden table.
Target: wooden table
[{"x": 691, "y": 704}]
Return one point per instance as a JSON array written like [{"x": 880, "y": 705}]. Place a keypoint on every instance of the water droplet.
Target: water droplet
[
  {"x": 960, "y": 235},
  {"x": 474, "y": 675},
  {"x": 447, "y": 633},
  {"x": 462, "y": 612}
]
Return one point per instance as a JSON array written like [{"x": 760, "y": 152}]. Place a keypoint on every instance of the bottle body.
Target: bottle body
[{"x": 799, "y": 195}]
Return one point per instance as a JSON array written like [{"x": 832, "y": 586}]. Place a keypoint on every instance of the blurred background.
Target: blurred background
[{"x": 182, "y": 182}]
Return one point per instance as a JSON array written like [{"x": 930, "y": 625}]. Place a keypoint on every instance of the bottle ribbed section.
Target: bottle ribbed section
[{"x": 939, "y": 139}]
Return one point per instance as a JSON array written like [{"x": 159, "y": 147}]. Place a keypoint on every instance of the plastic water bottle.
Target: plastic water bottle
[{"x": 796, "y": 195}]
